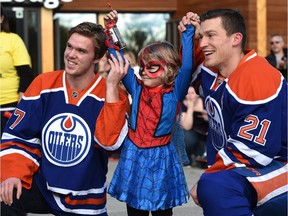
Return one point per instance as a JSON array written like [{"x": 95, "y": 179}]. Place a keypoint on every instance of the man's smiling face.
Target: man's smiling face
[{"x": 215, "y": 43}]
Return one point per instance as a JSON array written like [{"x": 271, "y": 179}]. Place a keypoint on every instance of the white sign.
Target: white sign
[
  {"x": 49, "y": 4},
  {"x": 19, "y": 12}
]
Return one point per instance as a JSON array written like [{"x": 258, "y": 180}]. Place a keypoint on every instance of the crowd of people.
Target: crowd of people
[{"x": 229, "y": 104}]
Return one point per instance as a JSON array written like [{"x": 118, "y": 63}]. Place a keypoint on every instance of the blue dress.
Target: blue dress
[{"x": 149, "y": 175}]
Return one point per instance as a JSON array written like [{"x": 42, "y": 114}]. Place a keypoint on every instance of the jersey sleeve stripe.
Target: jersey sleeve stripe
[
  {"x": 270, "y": 185},
  {"x": 255, "y": 155},
  {"x": 17, "y": 151},
  {"x": 118, "y": 142},
  {"x": 7, "y": 136}
]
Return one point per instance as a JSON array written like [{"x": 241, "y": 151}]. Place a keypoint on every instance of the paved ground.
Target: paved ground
[{"x": 116, "y": 208}]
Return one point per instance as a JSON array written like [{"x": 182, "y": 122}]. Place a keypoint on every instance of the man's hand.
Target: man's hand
[
  {"x": 193, "y": 193},
  {"x": 190, "y": 18},
  {"x": 118, "y": 70},
  {"x": 6, "y": 190}
]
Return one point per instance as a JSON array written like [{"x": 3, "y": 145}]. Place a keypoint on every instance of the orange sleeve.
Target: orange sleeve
[
  {"x": 218, "y": 165},
  {"x": 18, "y": 164},
  {"x": 111, "y": 125},
  {"x": 198, "y": 55}
]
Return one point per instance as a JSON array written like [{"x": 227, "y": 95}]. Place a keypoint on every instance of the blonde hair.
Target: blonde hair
[{"x": 162, "y": 51}]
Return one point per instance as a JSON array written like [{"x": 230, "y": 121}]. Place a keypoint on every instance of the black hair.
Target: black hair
[{"x": 5, "y": 23}]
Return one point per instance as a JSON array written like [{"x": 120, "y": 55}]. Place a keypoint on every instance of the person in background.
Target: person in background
[
  {"x": 246, "y": 102},
  {"x": 149, "y": 176},
  {"x": 278, "y": 55},
  {"x": 51, "y": 155},
  {"x": 104, "y": 66},
  {"x": 15, "y": 69},
  {"x": 194, "y": 121}
]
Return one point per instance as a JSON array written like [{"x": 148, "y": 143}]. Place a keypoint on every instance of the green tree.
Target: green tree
[{"x": 138, "y": 30}]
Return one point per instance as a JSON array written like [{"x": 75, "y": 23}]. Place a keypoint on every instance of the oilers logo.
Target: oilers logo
[
  {"x": 216, "y": 123},
  {"x": 66, "y": 139}
]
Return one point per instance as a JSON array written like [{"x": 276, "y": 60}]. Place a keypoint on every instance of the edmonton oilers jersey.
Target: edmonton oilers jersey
[
  {"x": 51, "y": 134},
  {"x": 233, "y": 109},
  {"x": 245, "y": 133}
]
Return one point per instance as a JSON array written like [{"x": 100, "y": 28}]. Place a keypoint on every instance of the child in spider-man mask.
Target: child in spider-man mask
[{"x": 149, "y": 175}]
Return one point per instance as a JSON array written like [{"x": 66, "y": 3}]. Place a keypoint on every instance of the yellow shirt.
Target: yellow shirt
[{"x": 13, "y": 53}]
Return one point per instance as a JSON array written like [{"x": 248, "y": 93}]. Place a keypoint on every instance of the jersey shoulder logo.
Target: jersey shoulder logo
[{"x": 66, "y": 139}]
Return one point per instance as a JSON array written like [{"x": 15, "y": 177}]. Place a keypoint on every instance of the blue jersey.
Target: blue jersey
[
  {"x": 248, "y": 124},
  {"x": 51, "y": 136}
]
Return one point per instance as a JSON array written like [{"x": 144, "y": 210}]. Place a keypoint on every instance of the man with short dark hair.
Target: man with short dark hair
[
  {"x": 246, "y": 103},
  {"x": 51, "y": 160}
]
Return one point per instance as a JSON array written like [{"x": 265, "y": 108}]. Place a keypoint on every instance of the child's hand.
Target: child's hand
[
  {"x": 189, "y": 18},
  {"x": 111, "y": 17},
  {"x": 182, "y": 24},
  {"x": 194, "y": 20}
]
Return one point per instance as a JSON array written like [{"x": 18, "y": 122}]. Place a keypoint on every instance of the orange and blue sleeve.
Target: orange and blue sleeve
[{"x": 111, "y": 125}]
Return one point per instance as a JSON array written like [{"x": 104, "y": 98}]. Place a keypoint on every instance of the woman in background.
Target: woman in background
[{"x": 15, "y": 69}]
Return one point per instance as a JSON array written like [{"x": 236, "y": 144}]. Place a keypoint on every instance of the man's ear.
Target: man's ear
[
  {"x": 96, "y": 61},
  {"x": 237, "y": 39}
]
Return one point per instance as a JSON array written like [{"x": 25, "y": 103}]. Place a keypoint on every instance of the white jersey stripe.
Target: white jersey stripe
[{"x": 257, "y": 156}]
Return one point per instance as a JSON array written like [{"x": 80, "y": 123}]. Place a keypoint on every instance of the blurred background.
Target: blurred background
[{"x": 43, "y": 24}]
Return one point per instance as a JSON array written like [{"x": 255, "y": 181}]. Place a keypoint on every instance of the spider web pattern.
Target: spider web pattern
[
  {"x": 149, "y": 178},
  {"x": 149, "y": 113},
  {"x": 149, "y": 175}
]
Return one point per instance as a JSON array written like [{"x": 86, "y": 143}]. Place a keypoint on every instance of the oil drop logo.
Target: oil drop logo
[
  {"x": 66, "y": 139},
  {"x": 216, "y": 124}
]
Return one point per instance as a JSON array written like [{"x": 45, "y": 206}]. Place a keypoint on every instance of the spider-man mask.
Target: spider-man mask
[{"x": 153, "y": 68}]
